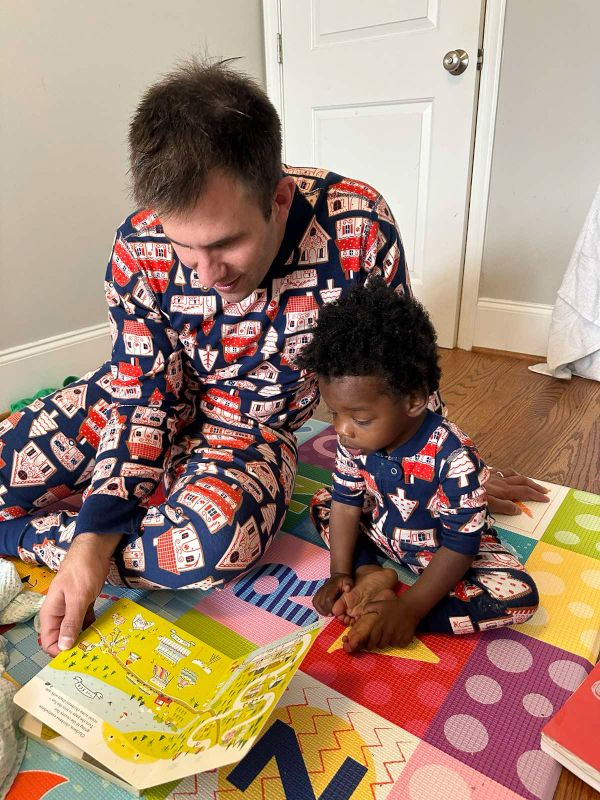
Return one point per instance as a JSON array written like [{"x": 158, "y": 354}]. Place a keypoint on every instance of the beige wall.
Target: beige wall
[
  {"x": 546, "y": 158},
  {"x": 70, "y": 75}
]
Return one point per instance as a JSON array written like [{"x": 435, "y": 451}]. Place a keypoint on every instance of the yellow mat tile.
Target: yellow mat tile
[{"x": 569, "y": 588}]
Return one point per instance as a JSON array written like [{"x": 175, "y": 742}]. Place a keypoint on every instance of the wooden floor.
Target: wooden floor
[{"x": 540, "y": 426}]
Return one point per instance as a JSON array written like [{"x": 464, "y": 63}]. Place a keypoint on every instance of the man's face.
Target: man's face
[
  {"x": 365, "y": 417},
  {"x": 226, "y": 237}
]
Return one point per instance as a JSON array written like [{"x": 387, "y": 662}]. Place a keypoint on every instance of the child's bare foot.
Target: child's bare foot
[
  {"x": 370, "y": 581},
  {"x": 359, "y": 634}
]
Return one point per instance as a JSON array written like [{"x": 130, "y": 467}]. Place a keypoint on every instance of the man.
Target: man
[{"x": 184, "y": 440}]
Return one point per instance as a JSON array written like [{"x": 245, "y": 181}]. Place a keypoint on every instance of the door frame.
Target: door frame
[{"x": 481, "y": 158}]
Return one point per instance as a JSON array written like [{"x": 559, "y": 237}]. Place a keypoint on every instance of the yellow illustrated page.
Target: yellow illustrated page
[
  {"x": 129, "y": 691},
  {"x": 153, "y": 703},
  {"x": 244, "y": 702}
]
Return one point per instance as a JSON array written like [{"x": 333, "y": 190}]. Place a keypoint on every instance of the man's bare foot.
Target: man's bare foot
[
  {"x": 371, "y": 579},
  {"x": 358, "y": 636}
]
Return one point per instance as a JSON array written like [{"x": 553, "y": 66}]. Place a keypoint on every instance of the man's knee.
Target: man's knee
[{"x": 176, "y": 549}]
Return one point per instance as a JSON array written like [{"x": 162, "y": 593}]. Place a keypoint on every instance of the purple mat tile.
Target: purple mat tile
[
  {"x": 492, "y": 717},
  {"x": 320, "y": 449}
]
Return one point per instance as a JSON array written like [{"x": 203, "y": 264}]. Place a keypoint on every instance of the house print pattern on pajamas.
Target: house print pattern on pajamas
[
  {"x": 424, "y": 495},
  {"x": 200, "y": 399}
]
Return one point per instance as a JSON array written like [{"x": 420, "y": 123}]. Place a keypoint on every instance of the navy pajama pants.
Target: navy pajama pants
[
  {"x": 487, "y": 597},
  {"x": 221, "y": 507}
]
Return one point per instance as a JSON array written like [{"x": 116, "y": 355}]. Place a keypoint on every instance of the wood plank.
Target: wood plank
[
  {"x": 541, "y": 426},
  {"x": 571, "y": 788}
]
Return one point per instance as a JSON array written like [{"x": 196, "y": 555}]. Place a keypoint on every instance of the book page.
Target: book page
[{"x": 129, "y": 689}]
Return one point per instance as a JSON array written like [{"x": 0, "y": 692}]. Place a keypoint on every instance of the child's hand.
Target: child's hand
[
  {"x": 331, "y": 590},
  {"x": 389, "y": 622}
]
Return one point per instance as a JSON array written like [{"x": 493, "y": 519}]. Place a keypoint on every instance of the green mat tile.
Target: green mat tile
[
  {"x": 576, "y": 524},
  {"x": 309, "y": 479},
  {"x": 213, "y": 633}
]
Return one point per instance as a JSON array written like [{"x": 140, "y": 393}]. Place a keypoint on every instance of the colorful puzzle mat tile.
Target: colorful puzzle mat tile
[
  {"x": 521, "y": 545},
  {"x": 491, "y": 718},
  {"x": 309, "y": 479},
  {"x": 275, "y": 597},
  {"x": 569, "y": 588},
  {"x": 45, "y": 775},
  {"x": 434, "y": 775},
  {"x": 320, "y": 449},
  {"x": 320, "y": 744},
  {"x": 311, "y": 429},
  {"x": 405, "y": 686},
  {"x": 576, "y": 524}
]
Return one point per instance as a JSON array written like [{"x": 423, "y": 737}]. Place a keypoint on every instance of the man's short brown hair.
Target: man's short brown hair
[{"x": 201, "y": 117}]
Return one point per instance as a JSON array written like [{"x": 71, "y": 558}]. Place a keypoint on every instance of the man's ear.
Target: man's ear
[
  {"x": 416, "y": 403},
  {"x": 283, "y": 196}
]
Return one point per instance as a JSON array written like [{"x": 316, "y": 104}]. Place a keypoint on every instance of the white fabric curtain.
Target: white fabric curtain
[{"x": 574, "y": 339}]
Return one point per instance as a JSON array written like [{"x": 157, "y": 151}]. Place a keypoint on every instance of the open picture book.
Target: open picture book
[{"x": 149, "y": 703}]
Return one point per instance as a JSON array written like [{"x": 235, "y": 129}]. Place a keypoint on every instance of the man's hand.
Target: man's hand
[
  {"x": 506, "y": 488},
  {"x": 389, "y": 622},
  {"x": 70, "y": 600},
  {"x": 331, "y": 590}
]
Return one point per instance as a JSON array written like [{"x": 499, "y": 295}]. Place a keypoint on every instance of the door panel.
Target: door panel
[{"x": 366, "y": 95}]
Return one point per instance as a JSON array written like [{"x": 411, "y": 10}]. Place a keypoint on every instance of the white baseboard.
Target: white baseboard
[
  {"x": 27, "y": 368},
  {"x": 513, "y": 326}
]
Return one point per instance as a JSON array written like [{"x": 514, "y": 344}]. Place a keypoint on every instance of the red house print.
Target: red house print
[
  {"x": 390, "y": 263},
  {"x": 11, "y": 422},
  {"x": 244, "y": 549},
  {"x": 349, "y": 240},
  {"x": 240, "y": 339},
  {"x": 301, "y": 313},
  {"x": 123, "y": 263},
  {"x": 293, "y": 345},
  {"x": 137, "y": 338},
  {"x": 223, "y": 437},
  {"x": 422, "y": 464},
  {"x": 93, "y": 424},
  {"x": 156, "y": 260},
  {"x": 224, "y": 406},
  {"x": 146, "y": 218},
  {"x": 126, "y": 385},
  {"x": 179, "y": 550},
  {"x": 213, "y": 500},
  {"x": 145, "y": 442}
]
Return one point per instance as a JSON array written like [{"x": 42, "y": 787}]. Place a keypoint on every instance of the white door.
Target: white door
[{"x": 365, "y": 93}]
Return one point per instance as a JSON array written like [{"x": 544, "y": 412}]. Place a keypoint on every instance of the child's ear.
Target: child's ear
[{"x": 416, "y": 403}]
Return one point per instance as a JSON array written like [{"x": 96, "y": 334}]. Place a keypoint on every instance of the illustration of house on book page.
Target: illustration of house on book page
[{"x": 151, "y": 703}]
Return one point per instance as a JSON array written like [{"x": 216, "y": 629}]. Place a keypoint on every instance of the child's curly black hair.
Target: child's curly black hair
[{"x": 375, "y": 331}]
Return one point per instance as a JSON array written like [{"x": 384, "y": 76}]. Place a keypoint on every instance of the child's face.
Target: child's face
[{"x": 366, "y": 418}]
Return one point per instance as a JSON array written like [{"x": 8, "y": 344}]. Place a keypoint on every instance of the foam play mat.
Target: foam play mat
[{"x": 448, "y": 718}]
